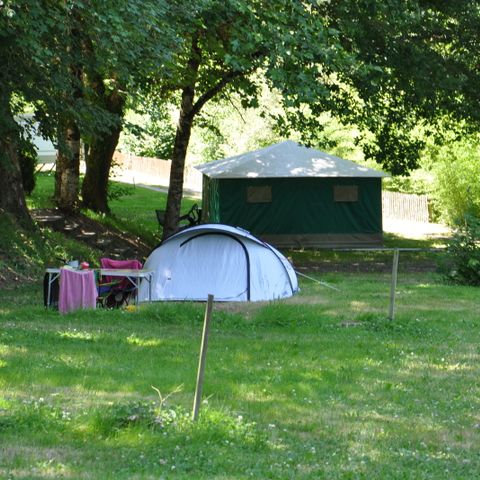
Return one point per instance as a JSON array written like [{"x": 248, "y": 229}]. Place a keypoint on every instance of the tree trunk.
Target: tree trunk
[
  {"x": 68, "y": 158},
  {"x": 182, "y": 138},
  {"x": 99, "y": 159},
  {"x": 12, "y": 195},
  {"x": 68, "y": 169},
  {"x": 175, "y": 189}
]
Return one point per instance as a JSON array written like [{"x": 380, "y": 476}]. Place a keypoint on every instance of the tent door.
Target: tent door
[{"x": 213, "y": 263}]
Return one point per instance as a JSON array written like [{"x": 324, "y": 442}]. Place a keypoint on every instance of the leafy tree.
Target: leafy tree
[
  {"x": 148, "y": 132},
  {"x": 134, "y": 39},
  {"x": 385, "y": 66},
  {"x": 427, "y": 58},
  {"x": 73, "y": 62},
  {"x": 457, "y": 169},
  {"x": 29, "y": 57},
  {"x": 227, "y": 44},
  {"x": 40, "y": 46}
]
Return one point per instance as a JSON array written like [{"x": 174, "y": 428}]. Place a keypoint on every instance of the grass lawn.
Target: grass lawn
[{"x": 321, "y": 385}]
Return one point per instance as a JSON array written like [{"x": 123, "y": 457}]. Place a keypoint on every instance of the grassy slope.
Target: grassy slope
[
  {"x": 24, "y": 255},
  {"x": 318, "y": 386}
]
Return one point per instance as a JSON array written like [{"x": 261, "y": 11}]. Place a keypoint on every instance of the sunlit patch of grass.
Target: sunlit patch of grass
[
  {"x": 143, "y": 342},
  {"x": 88, "y": 336}
]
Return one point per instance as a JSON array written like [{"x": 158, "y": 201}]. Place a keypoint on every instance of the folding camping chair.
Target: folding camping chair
[
  {"x": 115, "y": 292},
  {"x": 190, "y": 219}
]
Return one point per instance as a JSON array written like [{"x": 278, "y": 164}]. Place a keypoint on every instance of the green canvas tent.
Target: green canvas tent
[{"x": 290, "y": 195}]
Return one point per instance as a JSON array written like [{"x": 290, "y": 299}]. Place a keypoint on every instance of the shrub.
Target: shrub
[
  {"x": 456, "y": 168},
  {"x": 463, "y": 253}
]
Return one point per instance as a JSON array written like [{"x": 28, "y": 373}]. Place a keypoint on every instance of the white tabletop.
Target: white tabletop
[{"x": 112, "y": 272}]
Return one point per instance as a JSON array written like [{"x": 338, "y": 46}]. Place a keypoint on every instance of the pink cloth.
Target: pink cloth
[
  {"x": 77, "y": 290},
  {"x": 118, "y": 265}
]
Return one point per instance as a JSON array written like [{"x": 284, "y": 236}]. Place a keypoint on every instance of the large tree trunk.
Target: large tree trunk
[
  {"x": 99, "y": 159},
  {"x": 68, "y": 169},
  {"x": 175, "y": 189},
  {"x": 12, "y": 195},
  {"x": 68, "y": 158}
]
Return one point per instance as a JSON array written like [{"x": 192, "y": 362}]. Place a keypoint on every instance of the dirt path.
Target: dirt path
[{"x": 110, "y": 241}]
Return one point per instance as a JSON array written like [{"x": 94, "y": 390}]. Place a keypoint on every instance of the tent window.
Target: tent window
[
  {"x": 345, "y": 193},
  {"x": 259, "y": 194}
]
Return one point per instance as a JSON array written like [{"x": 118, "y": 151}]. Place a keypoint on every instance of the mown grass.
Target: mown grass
[
  {"x": 318, "y": 386},
  {"x": 321, "y": 385}
]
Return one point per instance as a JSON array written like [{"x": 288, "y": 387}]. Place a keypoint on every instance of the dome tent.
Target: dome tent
[{"x": 225, "y": 261}]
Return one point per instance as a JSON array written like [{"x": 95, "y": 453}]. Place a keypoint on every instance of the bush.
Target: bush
[{"x": 463, "y": 253}]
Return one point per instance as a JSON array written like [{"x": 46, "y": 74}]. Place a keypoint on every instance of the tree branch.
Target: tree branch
[{"x": 209, "y": 94}]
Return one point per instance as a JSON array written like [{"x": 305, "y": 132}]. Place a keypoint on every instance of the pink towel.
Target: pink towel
[
  {"x": 77, "y": 290},
  {"x": 119, "y": 264}
]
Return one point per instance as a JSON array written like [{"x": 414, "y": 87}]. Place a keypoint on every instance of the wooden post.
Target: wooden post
[
  {"x": 203, "y": 356},
  {"x": 393, "y": 287}
]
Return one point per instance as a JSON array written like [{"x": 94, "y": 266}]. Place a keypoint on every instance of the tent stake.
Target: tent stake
[
  {"x": 393, "y": 287},
  {"x": 203, "y": 357}
]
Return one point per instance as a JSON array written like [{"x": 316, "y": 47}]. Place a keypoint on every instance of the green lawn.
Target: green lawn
[
  {"x": 318, "y": 386},
  {"x": 321, "y": 385}
]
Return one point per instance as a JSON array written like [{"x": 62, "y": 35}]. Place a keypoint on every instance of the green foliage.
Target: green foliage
[
  {"x": 111, "y": 419},
  {"x": 457, "y": 168},
  {"x": 118, "y": 190},
  {"x": 150, "y": 134},
  {"x": 416, "y": 50},
  {"x": 418, "y": 183},
  {"x": 462, "y": 263}
]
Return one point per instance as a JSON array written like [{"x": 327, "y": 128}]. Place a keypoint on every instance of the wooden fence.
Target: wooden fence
[
  {"x": 403, "y": 206},
  {"x": 157, "y": 170}
]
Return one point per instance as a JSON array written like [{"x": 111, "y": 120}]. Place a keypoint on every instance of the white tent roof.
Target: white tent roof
[{"x": 285, "y": 159}]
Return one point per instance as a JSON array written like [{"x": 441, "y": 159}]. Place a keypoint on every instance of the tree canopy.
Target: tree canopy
[
  {"x": 426, "y": 59},
  {"x": 390, "y": 68},
  {"x": 228, "y": 44}
]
